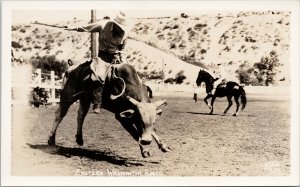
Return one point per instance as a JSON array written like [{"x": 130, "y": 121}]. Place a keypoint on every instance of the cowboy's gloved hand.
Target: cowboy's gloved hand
[
  {"x": 70, "y": 29},
  {"x": 121, "y": 47},
  {"x": 78, "y": 29}
]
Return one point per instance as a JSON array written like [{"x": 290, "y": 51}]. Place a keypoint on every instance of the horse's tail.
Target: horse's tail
[{"x": 243, "y": 97}]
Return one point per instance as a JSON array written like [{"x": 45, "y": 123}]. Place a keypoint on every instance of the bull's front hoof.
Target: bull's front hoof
[
  {"x": 146, "y": 153},
  {"x": 51, "y": 140},
  {"x": 224, "y": 114},
  {"x": 234, "y": 115},
  {"x": 79, "y": 140},
  {"x": 211, "y": 113},
  {"x": 165, "y": 148}
]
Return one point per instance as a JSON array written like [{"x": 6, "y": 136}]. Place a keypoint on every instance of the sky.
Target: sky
[
  {"x": 55, "y": 11},
  {"x": 52, "y": 16}
]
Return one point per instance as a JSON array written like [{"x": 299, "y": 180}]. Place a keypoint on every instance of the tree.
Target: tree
[
  {"x": 266, "y": 69},
  {"x": 49, "y": 63},
  {"x": 246, "y": 75},
  {"x": 261, "y": 73}
]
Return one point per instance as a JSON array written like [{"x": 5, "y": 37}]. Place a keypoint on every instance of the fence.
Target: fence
[
  {"x": 51, "y": 83},
  {"x": 23, "y": 83}
]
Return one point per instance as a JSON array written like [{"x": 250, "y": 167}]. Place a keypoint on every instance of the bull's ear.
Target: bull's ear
[
  {"x": 159, "y": 112},
  {"x": 127, "y": 113},
  {"x": 160, "y": 102}
]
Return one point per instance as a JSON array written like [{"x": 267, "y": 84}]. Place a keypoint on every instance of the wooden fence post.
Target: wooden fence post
[
  {"x": 39, "y": 76},
  {"x": 93, "y": 37},
  {"x": 53, "y": 86}
]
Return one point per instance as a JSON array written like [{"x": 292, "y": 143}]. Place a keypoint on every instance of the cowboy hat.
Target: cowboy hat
[
  {"x": 122, "y": 21},
  {"x": 121, "y": 18}
]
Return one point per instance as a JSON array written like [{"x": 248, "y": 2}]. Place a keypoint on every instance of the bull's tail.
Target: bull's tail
[{"x": 243, "y": 97}]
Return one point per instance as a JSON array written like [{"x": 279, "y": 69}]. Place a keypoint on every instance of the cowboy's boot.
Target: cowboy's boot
[{"x": 97, "y": 99}]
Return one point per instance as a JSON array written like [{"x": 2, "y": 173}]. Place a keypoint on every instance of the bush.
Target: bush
[
  {"x": 22, "y": 30},
  {"x": 172, "y": 46},
  {"x": 170, "y": 80},
  {"x": 176, "y": 26},
  {"x": 49, "y": 63},
  {"x": 199, "y": 26},
  {"x": 179, "y": 78},
  {"x": 16, "y": 44}
]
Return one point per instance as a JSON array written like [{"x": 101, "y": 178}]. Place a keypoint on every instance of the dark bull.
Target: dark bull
[{"x": 123, "y": 94}]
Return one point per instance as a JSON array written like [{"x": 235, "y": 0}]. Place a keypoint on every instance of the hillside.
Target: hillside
[{"x": 219, "y": 42}]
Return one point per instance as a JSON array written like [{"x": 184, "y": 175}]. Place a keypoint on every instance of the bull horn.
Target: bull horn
[
  {"x": 160, "y": 102},
  {"x": 133, "y": 101},
  {"x": 114, "y": 97},
  {"x": 127, "y": 113}
]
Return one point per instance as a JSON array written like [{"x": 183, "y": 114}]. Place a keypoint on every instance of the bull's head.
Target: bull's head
[{"x": 147, "y": 115}]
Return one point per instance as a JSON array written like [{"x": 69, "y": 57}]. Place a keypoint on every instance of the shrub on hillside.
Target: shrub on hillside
[
  {"x": 22, "y": 30},
  {"x": 14, "y": 28},
  {"x": 175, "y": 26},
  {"x": 199, "y": 26},
  {"x": 16, "y": 44},
  {"x": 172, "y": 45},
  {"x": 166, "y": 27}
]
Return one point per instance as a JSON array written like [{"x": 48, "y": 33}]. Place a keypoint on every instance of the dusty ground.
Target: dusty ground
[{"x": 256, "y": 143}]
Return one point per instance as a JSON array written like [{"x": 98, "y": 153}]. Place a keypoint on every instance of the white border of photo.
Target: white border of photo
[{"x": 9, "y": 6}]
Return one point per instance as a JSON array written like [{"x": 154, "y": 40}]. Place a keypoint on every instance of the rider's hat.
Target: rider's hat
[{"x": 121, "y": 20}]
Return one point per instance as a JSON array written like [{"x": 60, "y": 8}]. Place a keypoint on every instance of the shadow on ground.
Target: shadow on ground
[
  {"x": 208, "y": 114},
  {"x": 94, "y": 155},
  {"x": 202, "y": 113}
]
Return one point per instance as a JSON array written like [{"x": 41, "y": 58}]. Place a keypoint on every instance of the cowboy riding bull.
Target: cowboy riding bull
[{"x": 123, "y": 94}]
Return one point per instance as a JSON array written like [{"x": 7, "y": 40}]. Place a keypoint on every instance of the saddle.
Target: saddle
[{"x": 100, "y": 68}]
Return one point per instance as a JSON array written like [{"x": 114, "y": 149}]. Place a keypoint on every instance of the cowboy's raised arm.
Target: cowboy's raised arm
[{"x": 94, "y": 27}]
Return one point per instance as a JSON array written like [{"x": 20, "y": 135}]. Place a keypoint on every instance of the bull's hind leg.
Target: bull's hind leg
[
  {"x": 236, "y": 98},
  {"x": 60, "y": 113},
  {"x": 229, "y": 105},
  {"x": 82, "y": 111}
]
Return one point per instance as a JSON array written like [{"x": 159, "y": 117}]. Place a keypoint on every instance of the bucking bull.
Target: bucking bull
[{"x": 123, "y": 94}]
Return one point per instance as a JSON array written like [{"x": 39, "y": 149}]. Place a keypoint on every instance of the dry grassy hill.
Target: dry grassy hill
[
  {"x": 220, "y": 41},
  {"x": 217, "y": 41}
]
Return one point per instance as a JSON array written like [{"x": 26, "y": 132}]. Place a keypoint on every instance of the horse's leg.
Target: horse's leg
[
  {"x": 206, "y": 102},
  {"x": 236, "y": 98},
  {"x": 195, "y": 97},
  {"x": 60, "y": 113},
  {"x": 82, "y": 111},
  {"x": 163, "y": 147},
  {"x": 213, "y": 98},
  {"x": 229, "y": 104}
]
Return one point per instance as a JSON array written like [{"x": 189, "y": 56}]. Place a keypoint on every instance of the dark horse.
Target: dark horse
[{"x": 229, "y": 89}]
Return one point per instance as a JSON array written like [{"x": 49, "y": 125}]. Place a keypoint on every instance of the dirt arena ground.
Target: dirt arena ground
[{"x": 256, "y": 143}]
